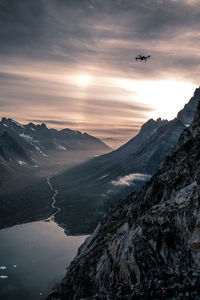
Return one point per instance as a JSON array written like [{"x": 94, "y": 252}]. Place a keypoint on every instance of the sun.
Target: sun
[{"x": 83, "y": 80}]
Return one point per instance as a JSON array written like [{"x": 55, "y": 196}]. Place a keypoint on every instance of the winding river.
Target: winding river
[
  {"x": 34, "y": 257},
  {"x": 55, "y": 193}
]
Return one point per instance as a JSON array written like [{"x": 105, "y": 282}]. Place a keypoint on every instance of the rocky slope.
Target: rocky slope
[
  {"x": 37, "y": 142},
  {"x": 147, "y": 246},
  {"x": 111, "y": 177}
]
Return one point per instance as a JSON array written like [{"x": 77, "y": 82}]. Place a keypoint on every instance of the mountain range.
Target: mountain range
[
  {"x": 87, "y": 190},
  {"x": 31, "y": 153},
  {"x": 33, "y": 144},
  {"x": 147, "y": 246},
  {"x": 28, "y": 155}
]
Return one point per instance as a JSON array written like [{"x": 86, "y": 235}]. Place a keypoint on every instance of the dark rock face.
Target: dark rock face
[
  {"x": 186, "y": 115},
  {"x": 143, "y": 154},
  {"x": 11, "y": 149},
  {"x": 148, "y": 245}
]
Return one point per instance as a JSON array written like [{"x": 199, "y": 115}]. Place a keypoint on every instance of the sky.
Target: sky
[{"x": 71, "y": 63}]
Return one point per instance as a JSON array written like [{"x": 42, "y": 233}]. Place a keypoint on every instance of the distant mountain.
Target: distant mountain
[
  {"x": 148, "y": 245},
  {"x": 33, "y": 143},
  {"x": 108, "y": 178},
  {"x": 28, "y": 155}
]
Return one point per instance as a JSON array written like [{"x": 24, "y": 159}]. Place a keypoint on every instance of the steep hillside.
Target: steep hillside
[
  {"x": 89, "y": 189},
  {"x": 148, "y": 245}
]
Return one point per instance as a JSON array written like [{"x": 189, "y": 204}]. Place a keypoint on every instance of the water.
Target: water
[{"x": 35, "y": 256}]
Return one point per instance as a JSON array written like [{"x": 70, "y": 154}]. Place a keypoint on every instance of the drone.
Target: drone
[{"x": 142, "y": 57}]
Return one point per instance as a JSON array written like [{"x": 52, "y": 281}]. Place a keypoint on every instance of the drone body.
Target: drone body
[{"x": 142, "y": 57}]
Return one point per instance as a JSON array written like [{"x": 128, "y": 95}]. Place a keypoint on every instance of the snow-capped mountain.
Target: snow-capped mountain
[
  {"x": 28, "y": 155},
  {"x": 33, "y": 143}
]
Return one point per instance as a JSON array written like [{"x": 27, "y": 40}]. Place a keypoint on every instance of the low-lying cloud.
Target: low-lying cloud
[{"x": 129, "y": 179}]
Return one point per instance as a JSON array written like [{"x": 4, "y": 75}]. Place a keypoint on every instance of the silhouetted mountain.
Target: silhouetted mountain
[
  {"x": 108, "y": 178},
  {"x": 186, "y": 115},
  {"x": 148, "y": 245}
]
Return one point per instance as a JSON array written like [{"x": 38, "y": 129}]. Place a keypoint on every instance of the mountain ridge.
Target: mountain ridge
[
  {"x": 39, "y": 141},
  {"x": 141, "y": 155},
  {"x": 147, "y": 246}
]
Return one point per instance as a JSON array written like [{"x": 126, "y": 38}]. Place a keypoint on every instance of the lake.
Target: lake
[{"x": 35, "y": 256}]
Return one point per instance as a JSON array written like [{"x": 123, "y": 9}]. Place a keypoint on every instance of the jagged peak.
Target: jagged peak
[
  {"x": 197, "y": 92},
  {"x": 3, "y": 119},
  {"x": 186, "y": 115},
  {"x": 161, "y": 121},
  {"x": 148, "y": 243}
]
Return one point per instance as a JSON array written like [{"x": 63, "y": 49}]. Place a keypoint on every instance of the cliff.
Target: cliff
[{"x": 148, "y": 245}]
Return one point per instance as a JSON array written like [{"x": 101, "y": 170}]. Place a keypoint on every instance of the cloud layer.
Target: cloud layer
[{"x": 72, "y": 62}]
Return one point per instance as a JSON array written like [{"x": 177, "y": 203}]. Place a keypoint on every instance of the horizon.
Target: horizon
[
  {"x": 112, "y": 142},
  {"x": 83, "y": 75}
]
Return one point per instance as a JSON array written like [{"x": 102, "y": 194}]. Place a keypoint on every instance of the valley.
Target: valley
[
  {"x": 86, "y": 185},
  {"x": 99, "y": 150},
  {"x": 147, "y": 245}
]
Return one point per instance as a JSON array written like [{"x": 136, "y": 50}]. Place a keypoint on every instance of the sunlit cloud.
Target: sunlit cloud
[
  {"x": 130, "y": 179},
  {"x": 72, "y": 63}
]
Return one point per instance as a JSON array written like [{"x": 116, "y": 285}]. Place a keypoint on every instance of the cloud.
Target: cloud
[
  {"x": 129, "y": 179},
  {"x": 47, "y": 45},
  {"x": 53, "y": 122}
]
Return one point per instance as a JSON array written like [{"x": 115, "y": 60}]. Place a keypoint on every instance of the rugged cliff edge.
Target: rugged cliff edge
[
  {"x": 148, "y": 245},
  {"x": 101, "y": 179}
]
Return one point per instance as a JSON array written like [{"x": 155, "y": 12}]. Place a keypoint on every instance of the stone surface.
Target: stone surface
[
  {"x": 148, "y": 245},
  {"x": 143, "y": 154}
]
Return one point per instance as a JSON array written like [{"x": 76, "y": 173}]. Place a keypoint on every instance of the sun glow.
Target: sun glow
[
  {"x": 83, "y": 80},
  {"x": 166, "y": 97}
]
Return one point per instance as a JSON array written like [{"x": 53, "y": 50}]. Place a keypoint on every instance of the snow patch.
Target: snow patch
[
  {"x": 5, "y": 125},
  {"x": 43, "y": 154},
  {"x": 2, "y": 267},
  {"x": 22, "y": 163},
  {"x": 102, "y": 177},
  {"x": 61, "y": 147},
  {"x": 26, "y": 137},
  {"x": 128, "y": 179},
  {"x": 3, "y": 276},
  {"x": 18, "y": 124}
]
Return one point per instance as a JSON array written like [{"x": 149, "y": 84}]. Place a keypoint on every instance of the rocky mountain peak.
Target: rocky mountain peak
[
  {"x": 186, "y": 115},
  {"x": 3, "y": 120},
  {"x": 148, "y": 245},
  {"x": 161, "y": 121}
]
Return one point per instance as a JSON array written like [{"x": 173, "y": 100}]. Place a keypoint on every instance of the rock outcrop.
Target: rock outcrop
[{"x": 148, "y": 245}]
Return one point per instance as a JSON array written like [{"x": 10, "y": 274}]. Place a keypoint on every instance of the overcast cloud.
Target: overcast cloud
[{"x": 72, "y": 62}]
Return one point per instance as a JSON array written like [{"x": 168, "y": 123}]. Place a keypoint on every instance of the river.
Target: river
[{"x": 34, "y": 257}]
